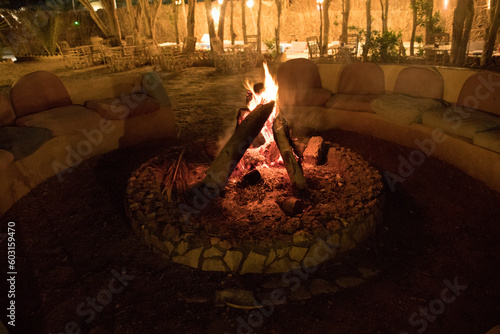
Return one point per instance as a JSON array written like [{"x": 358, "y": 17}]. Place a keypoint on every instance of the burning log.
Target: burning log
[
  {"x": 222, "y": 167},
  {"x": 293, "y": 168}
]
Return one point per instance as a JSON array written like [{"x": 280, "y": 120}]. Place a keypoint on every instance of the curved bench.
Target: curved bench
[
  {"x": 41, "y": 102},
  {"x": 470, "y": 145}
]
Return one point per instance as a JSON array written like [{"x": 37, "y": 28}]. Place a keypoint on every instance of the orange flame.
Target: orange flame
[{"x": 266, "y": 154}]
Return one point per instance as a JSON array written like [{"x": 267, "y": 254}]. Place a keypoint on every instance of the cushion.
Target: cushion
[
  {"x": 38, "y": 91},
  {"x": 420, "y": 82},
  {"x": 64, "y": 120},
  {"x": 6, "y": 158},
  {"x": 488, "y": 139},
  {"x": 22, "y": 141},
  {"x": 124, "y": 106},
  {"x": 296, "y": 75},
  {"x": 403, "y": 109},
  {"x": 354, "y": 102},
  {"x": 481, "y": 91},
  {"x": 311, "y": 97},
  {"x": 460, "y": 121},
  {"x": 362, "y": 78},
  {"x": 7, "y": 115}
]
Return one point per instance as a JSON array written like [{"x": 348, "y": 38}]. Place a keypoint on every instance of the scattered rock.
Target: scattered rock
[
  {"x": 182, "y": 247},
  {"x": 297, "y": 253},
  {"x": 300, "y": 293},
  {"x": 319, "y": 286},
  {"x": 315, "y": 151},
  {"x": 349, "y": 282},
  {"x": 212, "y": 252}
]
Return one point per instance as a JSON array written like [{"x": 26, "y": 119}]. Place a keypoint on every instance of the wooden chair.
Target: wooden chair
[
  {"x": 64, "y": 47},
  {"x": 313, "y": 47},
  {"x": 440, "y": 39},
  {"x": 352, "y": 43},
  {"x": 436, "y": 57},
  {"x": 189, "y": 50},
  {"x": 253, "y": 40}
]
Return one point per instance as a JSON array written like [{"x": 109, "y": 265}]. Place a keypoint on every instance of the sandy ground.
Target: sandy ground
[{"x": 440, "y": 233}]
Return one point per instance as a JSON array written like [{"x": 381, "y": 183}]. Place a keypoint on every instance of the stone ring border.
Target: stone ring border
[{"x": 211, "y": 253}]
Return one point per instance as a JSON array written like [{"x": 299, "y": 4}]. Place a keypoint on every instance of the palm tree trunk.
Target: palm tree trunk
[
  {"x": 326, "y": 25},
  {"x": 346, "y": 9},
  {"x": 233, "y": 34},
  {"x": 413, "y": 4},
  {"x": 176, "y": 22},
  {"x": 368, "y": 38},
  {"x": 190, "y": 18},
  {"x": 243, "y": 21},
  {"x": 259, "y": 14},
  {"x": 491, "y": 33},
  {"x": 385, "y": 13},
  {"x": 462, "y": 19},
  {"x": 429, "y": 8},
  {"x": 220, "y": 33}
]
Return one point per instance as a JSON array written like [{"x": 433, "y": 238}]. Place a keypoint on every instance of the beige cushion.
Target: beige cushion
[
  {"x": 354, "y": 102},
  {"x": 38, "y": 91},
  {"x": 6, "y": 158},
  {"x": 312, "y": 97},
  {"x": 294, "y": 76},
  {"x": 481, "y": 91},
  {"x": 362, "y": 78},
  {"x": 124, "y": 106},
  {"x": 488, "y": 139},
  {"x": 7, "y": 115},
  {"x": 420, "y": 82},
  {"x": 62, "y": 121},
  {"x": 403, "y": 109},
  {"x": 460, "y": 121}
]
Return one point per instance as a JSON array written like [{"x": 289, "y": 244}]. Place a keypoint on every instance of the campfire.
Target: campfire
[
  {"x": 262, "y": 202},
  {"x": 261, "y": 131}
]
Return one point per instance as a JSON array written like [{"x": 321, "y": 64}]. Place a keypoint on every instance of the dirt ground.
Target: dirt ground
[{"x": 81, "y": 268}]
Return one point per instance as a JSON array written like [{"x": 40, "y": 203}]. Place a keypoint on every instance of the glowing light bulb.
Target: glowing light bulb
[{"x": 250, "y": 3}]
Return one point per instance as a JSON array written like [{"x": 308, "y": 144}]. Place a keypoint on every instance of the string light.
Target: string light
[{"x": 250, "y": 3}]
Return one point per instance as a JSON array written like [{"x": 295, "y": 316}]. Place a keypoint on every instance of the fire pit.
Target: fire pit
[{"x": 262, "y": 205}]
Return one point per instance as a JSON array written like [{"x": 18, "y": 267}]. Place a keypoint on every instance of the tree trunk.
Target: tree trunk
[
  {"x": 491, "y": 33},
  {"x": 114, "y": 26},
  {"x": 259, "y": 15},
  {"x": 462, "y": 18},
  {"x": 220, "y": 32},
  {"x": 326, "y": 25},
  {"x": 226, "y": 161},
  {"x": 210, "y": 22},
  {"x": 131, "y": 17},
  {"x": 346, "y": 9},
  {"x": 429, "y": 7},
  {"x": 278, "y": 28},
  {"x": 154, "y": 18},
  {"x": 176, "y": 22},
  {"x": 368, "y": 37},
  {"x": 244, "y": 21},
  {"x": 385, "y": 13},
  {"x": 147, "y": 17},
  {"x": 233, "y": 34},
  {"x": 413, "y": 4},
  {"x": 105, "y": 30},
  {"x": 190, "y": 18}
]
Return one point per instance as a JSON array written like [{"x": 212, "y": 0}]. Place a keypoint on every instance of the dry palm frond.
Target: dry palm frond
[{"x": 176, "y": 178}]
